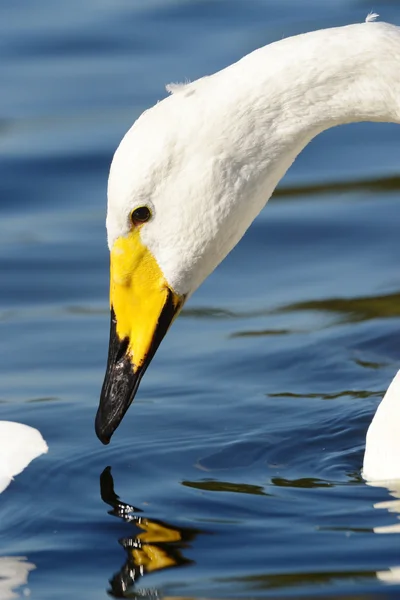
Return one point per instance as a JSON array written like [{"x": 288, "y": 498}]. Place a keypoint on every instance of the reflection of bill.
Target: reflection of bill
[
  {"x": 156, "y": 546},
  {"x": 14, "y": 572}
]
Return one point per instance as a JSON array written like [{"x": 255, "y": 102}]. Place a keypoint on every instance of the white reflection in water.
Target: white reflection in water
[
  {"x": 393, "y": 506},
  {"x": 14, "y": 572},
  {"x": 392, "y": 575}
]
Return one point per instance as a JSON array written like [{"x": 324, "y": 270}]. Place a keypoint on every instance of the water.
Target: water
[{"x": 236, "y": 473}]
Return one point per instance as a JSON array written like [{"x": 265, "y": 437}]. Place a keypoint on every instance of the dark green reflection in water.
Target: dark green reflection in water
[
  {"x": 261, "y": 332},
  {"x": 304, "y": 483},
  {"x": 212, "y": 485},
  {"x": 154, "y": 546},
  {"x": 302, "y": 579},
  {"x": 315, "y": 483},
  {"x": 352, "y": 310},
  {"x": 208, "y": 312},
  {"x": 381, "y": 185},
  {"x": 343, "y": 394},
  {"x": 367, "y": 364}
]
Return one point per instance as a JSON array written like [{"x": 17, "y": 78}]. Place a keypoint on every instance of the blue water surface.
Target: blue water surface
[{"x": 236, "y": 473}]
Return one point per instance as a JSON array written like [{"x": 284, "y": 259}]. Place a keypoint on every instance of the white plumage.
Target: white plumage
[
  {"x": 382, "y": 450},
  {"x": 19, "y": 445}
]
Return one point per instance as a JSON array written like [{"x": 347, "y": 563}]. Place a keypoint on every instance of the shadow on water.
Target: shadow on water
[{"x": 154, "y": 546}]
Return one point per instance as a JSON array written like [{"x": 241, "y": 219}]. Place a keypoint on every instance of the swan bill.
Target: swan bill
[
  {"x": 123, "y": 376},
  {"x": 143, "y": 307}
]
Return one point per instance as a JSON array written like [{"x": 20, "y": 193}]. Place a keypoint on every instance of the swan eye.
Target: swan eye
[{"x": 140, "y": 215}]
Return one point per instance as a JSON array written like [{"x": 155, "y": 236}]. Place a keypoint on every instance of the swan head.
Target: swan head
[{"x": 162, "y": 222}]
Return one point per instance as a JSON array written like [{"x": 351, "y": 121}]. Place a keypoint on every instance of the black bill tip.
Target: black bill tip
[
  {"x": 117, "y": 394},
  {"x": 119, "y": 387},
  {"x": 122, "y": 377}
]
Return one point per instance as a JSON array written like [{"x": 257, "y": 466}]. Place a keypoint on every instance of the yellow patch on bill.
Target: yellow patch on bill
[{"x": 138, "y": 293}]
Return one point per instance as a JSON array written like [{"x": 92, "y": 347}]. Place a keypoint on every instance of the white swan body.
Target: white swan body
[
  {"x": 382, "y": 450},
  {"x": 19, "y": 445},
  {"x": 194, "y": 171}
]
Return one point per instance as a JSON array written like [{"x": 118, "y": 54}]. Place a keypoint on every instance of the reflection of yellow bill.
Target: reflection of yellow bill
[
  {"x": 155, "y": 532},
  {"x": 156, "y": 546},
  {"x": 152, "y": 558}
]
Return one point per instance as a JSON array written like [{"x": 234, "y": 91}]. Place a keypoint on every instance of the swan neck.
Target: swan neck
[{"x": 354, "y": 76}]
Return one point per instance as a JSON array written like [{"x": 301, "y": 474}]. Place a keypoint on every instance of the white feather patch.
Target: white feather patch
[
  {"x": 19, "y": 445},
  {"x": 173, "y": 88},
  {"x": 371, "y": 17}
]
